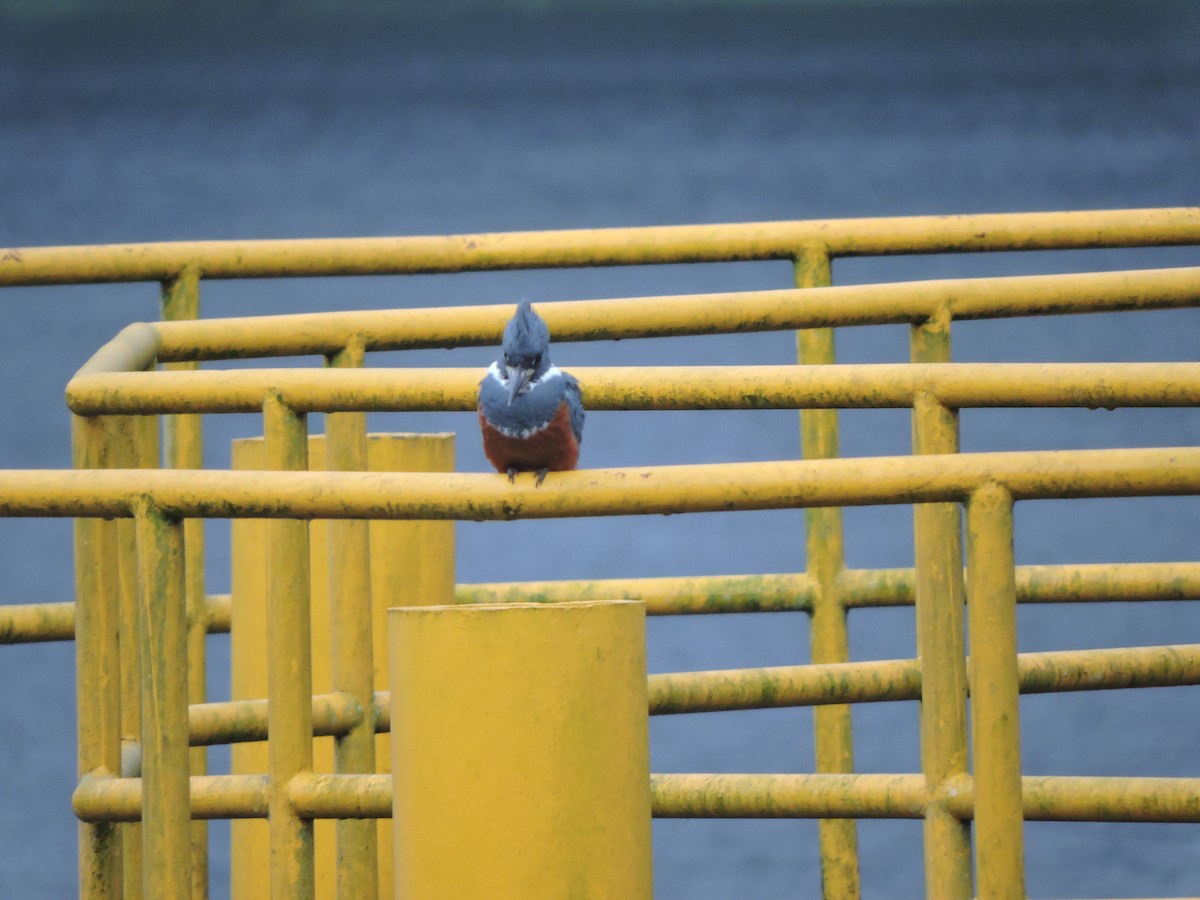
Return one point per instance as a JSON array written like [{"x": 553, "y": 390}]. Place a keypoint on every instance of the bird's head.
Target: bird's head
[{"x": 526, "y": 348}]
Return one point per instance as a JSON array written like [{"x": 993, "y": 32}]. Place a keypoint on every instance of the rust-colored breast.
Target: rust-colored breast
[{"x": 553, "y": 448}]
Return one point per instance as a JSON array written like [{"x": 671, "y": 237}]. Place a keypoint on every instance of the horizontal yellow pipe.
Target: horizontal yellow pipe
[
  {"x": 959, "y": 385},
  {"x": 1058, "y": 671},
  {"x": 234, "y": 721},
  {"x": 108, "y": 799},
  {"x": 862, "y": 588},
  {"x": 34, "y": 622},
  {"x": 323, "y": 796},
  {"x": 781, "y": 686},
  {"x": 900, "y": 679},
  {"x": 601, "y": 247},
  {"x": 600, "y": 492},
  {"x": 641, "y": 317},
  {"x": 1045, "y": 798},
  {"x": 1092, "y": 583},
  {"x": 31, "y": 623},
  {"x": 134, "y": 348},
  {"x": 768, "y": 688},
  {"x": 811, "y": 796},
  {"x": 1105, "y": 582},
  {"x": 662, "y": 596},
  {"x": 1110, "y": 799}
]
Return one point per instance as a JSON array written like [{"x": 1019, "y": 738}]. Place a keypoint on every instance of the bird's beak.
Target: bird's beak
[{"x": 517, "y": 379}]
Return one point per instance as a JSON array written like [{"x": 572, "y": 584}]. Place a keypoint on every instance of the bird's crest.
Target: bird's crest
[{"x": 526, "y": 336}]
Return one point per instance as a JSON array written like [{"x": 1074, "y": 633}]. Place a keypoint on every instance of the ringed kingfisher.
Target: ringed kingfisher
[{"x": 530, "y": 411}]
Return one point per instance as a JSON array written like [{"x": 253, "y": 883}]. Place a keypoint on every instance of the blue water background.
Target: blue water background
[{"x": 188, "y": 129}]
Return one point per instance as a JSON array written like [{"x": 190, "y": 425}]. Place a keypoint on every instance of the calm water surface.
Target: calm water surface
[{"x": 193, "y": 129}]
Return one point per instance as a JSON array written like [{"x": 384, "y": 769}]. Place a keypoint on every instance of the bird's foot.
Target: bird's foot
[
  {"x": 512, "y": 476},
  {"x": 541, "y": 476}
]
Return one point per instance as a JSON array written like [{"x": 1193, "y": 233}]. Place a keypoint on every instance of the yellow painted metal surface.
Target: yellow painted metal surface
[
  {"x": 412, "y": 565},
  {"x": 345, "y": 797},
  {"x": 807, "y": 685},
  {"x": 355, "y": 569},
  {"x": 133, "y": 443},
  {"x": 713, "y": 594},
  {"x": 1047, "y": 798},
  {"x": 134, "y": 349},
  {"x": 28, "y": 623},
  {"x": 289, "y": 666},
  {"x": 763, "y": 688},
  {"x": 162, "y": 632},
  {"x": 825, "y": 553},
  {"x": 249, "y": 878},
  {"x": 523, "y": 771},
  {"x": 1170, "y": 471},
  {"x": 342, "y": 661},
  {"x": 97, "y": 669},
  {"x": 107, "y": 799},
  {"x": 236, "y": 721},
  {"x": 407, "y": 562},
  {"x": 1109, "y": 799},
  {"x": 907, "y": 679},
  {"x": 183, "y": 449},
  {"x": 598, "y": 247},
  {"x": 1090, "y": 583},
  {"x": 810, "y": 796},
  {"x": 938, "y": 596},
  {"x": 355, "y": 869},
  {"x": 662, "y": 596},
  {"x": 957, "y": 385},
  {"x": 995, "y": 718},
  {"x": 818, "y": 306}
]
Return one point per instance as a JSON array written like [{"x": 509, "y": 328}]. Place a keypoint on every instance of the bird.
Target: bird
[{"x": 530, "y": 411}]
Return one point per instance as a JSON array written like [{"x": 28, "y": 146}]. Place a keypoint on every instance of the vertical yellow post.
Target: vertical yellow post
[
  {"x": 352, "y": 654},
  {"x": 289, "y": 662},
  {"x": 97, "y": 669},
  {"x": 184, "y": 450},
  {"x": 940, "y": 641},
  {"x": 521, "y": 759},
  {"x": 826, "y": 559},
  {"x": 410, "y": 563},
  {"x": 995, "y": 738},
  {"x": 134, "y": 444},
  {"x": 162, "y": 620},
  {"x": 249, "y": 876}
]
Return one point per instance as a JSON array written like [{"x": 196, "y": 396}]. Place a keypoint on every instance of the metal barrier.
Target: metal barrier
[
  {"x": 115, "y": 403},
  {"x": 291, "y": 796}
]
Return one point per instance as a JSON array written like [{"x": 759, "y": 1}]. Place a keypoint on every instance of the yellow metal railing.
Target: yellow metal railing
[
  {"x": 169, "y": 261},
  {"x": 704, "y": 488},
  {"x": 991, "y": 795},
  {"x": 110, "y": 394}
]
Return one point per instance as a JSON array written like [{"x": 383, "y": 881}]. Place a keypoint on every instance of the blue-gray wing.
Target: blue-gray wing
[
  {"x": 491, "y": 391},
  {"x": 573, "y": 394}
]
